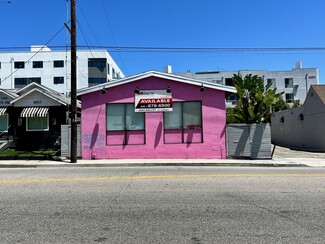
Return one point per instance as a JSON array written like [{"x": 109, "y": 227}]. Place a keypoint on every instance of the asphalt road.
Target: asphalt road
[{"x": 162, "y": 205}]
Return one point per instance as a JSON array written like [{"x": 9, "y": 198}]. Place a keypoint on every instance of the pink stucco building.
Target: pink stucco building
[{"x": 131, "y": 118}]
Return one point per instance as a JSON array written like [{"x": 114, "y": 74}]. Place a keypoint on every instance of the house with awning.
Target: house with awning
[
  {"x": 34, "y": 115},
  {"x": 6, "y": 96}
]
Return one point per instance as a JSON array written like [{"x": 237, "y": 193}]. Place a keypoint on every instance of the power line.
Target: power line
[
  {"x": 184, "y": 49},
  {"x": 45, "y": 45},
  {"x": 92, "y": 31},
  {"x": 83, "y": 35},
  {"x": 209, "y": 49},
  {"x": 111, "y": 30}
]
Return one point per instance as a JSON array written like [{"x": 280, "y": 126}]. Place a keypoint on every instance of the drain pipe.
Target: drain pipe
[{"x": 306, "y": 78}]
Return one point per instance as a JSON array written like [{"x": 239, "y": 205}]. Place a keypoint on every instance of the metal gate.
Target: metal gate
[
  {"x": 66, "y": 140},
  {"x": 249, "y": 140}
]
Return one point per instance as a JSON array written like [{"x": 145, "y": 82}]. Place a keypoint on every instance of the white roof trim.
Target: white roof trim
[
  {"x": 38, "y": 90},
  {"x": 34, "y": 84},
  {"x": 9, "y": 94},
  {"x": 159, "y": 75}
]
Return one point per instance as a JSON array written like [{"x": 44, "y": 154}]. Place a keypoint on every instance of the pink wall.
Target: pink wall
[{"x": 93, "y": 123}]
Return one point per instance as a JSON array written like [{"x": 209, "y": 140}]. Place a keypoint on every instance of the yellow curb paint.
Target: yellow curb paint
[{"x": 118, "y": 178}]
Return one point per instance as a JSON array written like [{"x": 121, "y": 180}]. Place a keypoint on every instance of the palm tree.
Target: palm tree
[{"x": 256, "y": 101}]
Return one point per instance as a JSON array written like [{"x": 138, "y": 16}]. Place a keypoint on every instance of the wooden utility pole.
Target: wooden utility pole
[{"x": 73, "y": 108}]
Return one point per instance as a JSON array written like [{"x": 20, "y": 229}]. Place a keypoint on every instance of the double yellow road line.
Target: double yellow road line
[{"x": 144, "y": 177}]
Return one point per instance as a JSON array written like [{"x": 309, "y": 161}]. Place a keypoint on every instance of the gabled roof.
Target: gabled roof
[
  {"x": 9, "y": 93},
  {"x": 320, "y": 90},
  {"x": 126, "y": 80},
  {"x": 57, "y": 97},
  {"x": 52, "y": 94},
  {"x": 33, "y": 85}
]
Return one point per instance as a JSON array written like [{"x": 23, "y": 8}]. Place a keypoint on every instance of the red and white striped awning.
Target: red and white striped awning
[
  {"x": 3, "y": 110},
  {"x": 34, "y": 112}
]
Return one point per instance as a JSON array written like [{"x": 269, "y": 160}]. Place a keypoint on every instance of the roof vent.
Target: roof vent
[{"x": 168, "y": 69}]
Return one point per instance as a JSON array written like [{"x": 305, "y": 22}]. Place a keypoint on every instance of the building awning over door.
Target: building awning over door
[
  {"x": 34, "y": 112},
  {"x": 3, "y": 110}
]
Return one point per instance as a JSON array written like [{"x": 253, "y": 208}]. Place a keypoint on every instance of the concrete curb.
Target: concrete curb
[{"x": 149, "y": 164}]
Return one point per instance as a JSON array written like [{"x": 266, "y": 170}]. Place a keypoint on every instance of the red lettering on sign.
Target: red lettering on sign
[{"x": 155, "y": 101}]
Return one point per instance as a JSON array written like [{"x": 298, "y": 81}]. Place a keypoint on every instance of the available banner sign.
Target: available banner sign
[{"x": 153, "y": 101}]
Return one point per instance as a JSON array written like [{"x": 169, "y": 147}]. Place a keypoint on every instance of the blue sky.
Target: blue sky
[{"x": 177, "y": 24}]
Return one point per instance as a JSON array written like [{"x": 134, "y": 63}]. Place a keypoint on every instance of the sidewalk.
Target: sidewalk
[{"x": 282, "y": 157}]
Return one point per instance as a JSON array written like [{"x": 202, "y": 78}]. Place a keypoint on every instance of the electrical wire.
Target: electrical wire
[
  {"x": 83, "y": 75},
  {"x": 91, "y": 30},
  {"x": 208, "y": 49},
  {"x": 112, "y": 34},
  {"x": 83, "y": 35},
  {"x": 185, "y": 49},
  {"x": 45, "y": 45}
]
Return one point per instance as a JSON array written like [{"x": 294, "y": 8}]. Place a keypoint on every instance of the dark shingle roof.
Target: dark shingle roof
[{"x": 320, "y": 90}]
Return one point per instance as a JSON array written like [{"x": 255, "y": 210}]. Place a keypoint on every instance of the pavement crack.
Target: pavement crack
[
  {"x": 196, "y": 240},
  {"x": 281, "y": 213},
  {"x": 101, "y": 239}
]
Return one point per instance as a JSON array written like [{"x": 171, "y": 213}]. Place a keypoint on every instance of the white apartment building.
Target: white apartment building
[
  {"x": 51, "y": 68},
  {"x": 294, "y": 83}
]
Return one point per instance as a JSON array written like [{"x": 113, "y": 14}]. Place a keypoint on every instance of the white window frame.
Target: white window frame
[
  {"x": 288, "y": 100},
  {"x": 47, "y": 124}
]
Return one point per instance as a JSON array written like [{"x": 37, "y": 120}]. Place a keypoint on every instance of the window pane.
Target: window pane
[
  {"x": 113, "y": 73},
  {"x": 4, "y": 122},
  {"x": 134, "y": 121},
  {"x": 97, "y": 62},
  {"x": 115, "y": 117},
  {"x": 96, "y": 80},
  {"x": 232, "y": 98},
  {"x": 37, "y": 123},
  {"x": 229, "y": 82},
  {"x": 173, "y": 119},
  {"x": 272, "y": 82},
  {"x": 58, "y": 63},
  {"x": 19, "y": 65},
  {"x": 37, "y": 64},
  {"x": 58, "y": 80},
  {"x": 289, "y": 97},
  {"x": 20, "y": 81},
  {"x": 288, "y": 82},
  {"x": 34, "y": 79},
  {"x": 192, "y": 115}
]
